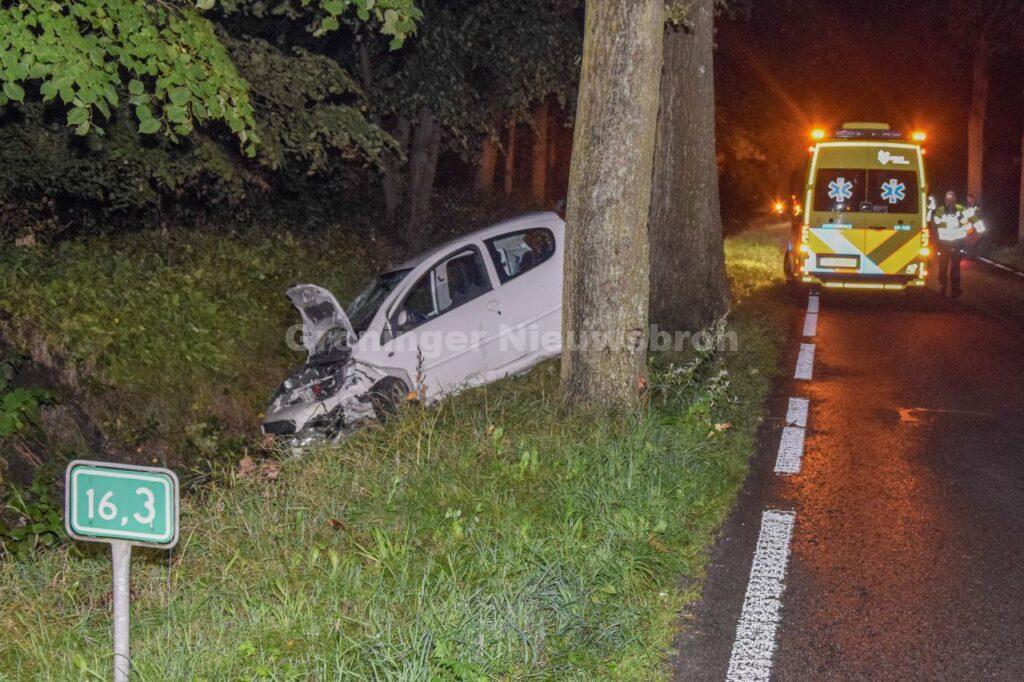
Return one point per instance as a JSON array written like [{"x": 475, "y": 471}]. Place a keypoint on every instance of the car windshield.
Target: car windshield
[{"x": 364, "y": 306}]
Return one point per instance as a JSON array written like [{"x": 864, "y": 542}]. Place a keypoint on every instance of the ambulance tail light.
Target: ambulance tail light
[{"x": 925, "y": 251}]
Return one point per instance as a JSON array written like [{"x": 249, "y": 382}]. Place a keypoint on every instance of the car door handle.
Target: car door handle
[{"x": 493, "y": 306}]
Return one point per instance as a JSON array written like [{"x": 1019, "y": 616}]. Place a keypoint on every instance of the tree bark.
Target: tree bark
[
  {"x": 539, "y": 174},
  {"x": 488, "y": 165},
  {"x": 1020, "y": 220},
  {"x": 605, "y": 295},
  {"x": 976, "y": 120},
  {"x": 392, "y": 181},
  {"x": 391, "y": 164},
  {"x": 510, "y": 159},
  {"x": 423, "y": 156},
  {"x": 689, "y": 289}
]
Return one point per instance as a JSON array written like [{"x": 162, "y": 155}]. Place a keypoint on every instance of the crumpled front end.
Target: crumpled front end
[{"x": 318, "y": 403}]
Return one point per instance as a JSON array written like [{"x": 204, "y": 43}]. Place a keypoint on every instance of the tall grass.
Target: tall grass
[{"x": 494, "y": 536}]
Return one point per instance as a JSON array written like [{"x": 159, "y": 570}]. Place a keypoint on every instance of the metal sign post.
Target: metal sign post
[{"x": 123, "y": 505}]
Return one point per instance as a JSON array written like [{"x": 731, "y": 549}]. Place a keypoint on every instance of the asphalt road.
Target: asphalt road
[{"x": 907, "y": 554}]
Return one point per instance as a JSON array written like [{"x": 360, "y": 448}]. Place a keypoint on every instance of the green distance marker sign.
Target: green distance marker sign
[{"x": 106, "y": 502}]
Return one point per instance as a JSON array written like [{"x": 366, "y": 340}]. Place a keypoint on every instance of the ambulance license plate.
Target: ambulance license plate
[{"x": 838, "y": 262}]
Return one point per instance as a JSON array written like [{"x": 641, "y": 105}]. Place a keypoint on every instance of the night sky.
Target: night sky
[{"x": 794, "y": 64}]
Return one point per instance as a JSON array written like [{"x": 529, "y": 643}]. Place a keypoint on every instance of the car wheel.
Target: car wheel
[{"x": 387, "y": 396}]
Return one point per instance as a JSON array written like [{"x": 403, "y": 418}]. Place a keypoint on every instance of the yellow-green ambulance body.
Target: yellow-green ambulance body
[{"x": 864, "y": 225}]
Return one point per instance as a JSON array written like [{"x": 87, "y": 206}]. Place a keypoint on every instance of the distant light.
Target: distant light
[
  {"x": 780, "y": 207},
  {"x": 818, "y": 134},
  {"x": 919, "y": 136}
]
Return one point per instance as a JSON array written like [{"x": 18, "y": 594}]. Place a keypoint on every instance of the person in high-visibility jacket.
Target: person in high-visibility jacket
[{"x": 952, "y": 224}]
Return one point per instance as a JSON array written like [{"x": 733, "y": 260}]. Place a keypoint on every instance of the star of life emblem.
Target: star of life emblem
[
  {"x": 894, "y": 191},
  {"x": 840, "y": 189}
]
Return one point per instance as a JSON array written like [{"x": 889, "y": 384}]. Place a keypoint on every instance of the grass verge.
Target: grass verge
[
  {"x": 492, "y": 537},
  {"x": 1010, "y": 256},
  {"x": 167, "y": 336}
]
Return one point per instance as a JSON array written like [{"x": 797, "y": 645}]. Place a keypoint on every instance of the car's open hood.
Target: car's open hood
[{"x": 320, "y": 312}]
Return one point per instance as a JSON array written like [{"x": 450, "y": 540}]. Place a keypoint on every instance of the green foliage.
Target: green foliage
[
  {"x": 307, "y": 106},
  {"x": 395, "y": 19},
  {"x": 177, "y": 71},
  {"x": 476, "y": 64},
  {"x": 52, "y": 181},
  {"x": 30, "y": 518},
  {"x": 19, "y": 406}
]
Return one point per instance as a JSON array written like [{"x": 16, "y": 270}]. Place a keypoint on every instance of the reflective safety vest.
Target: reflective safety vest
[
  {"x": 972, "y": 216},
  {"x": 951, "y": 226}
]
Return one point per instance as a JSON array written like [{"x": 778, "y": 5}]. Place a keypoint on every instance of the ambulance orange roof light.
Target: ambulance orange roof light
[
  {"x": 818, "y": 134},
  {"x": 919, "y": 136}
]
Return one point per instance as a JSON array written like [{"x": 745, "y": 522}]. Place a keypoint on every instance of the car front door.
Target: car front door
[{"x": 436, "y": 330}]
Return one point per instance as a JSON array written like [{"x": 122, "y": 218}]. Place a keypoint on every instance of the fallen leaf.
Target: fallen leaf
[{"x": 267, "y": 470}]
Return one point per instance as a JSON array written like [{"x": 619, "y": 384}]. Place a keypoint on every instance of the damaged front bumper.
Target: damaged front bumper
[{"x": 317, "y": 404}]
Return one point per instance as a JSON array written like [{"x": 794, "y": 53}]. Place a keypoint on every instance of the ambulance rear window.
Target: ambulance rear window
[
  {"x": 838, "y": 189},
  {"x": 859, "y": 191},
  {"x": 892, "y": 191}
]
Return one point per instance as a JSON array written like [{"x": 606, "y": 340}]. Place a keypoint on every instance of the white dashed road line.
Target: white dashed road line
[
  {"x": 791, "y": 451},
  {"x": 752, "y": 652},
  {"x": 791, "y": 445},
  {"x": 805, "y": 362},
  {"x": 796, "y": 414},
  {"x": 811, "y": 324},
  {"x": 754, "y": 646}
]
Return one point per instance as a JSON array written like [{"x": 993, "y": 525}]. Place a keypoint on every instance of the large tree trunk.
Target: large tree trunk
[
  {"x": 488, "y": 165},
  {"x": 391, "y": 163},
  {"x": 606, "y": 269},
  {"x": 539, "y": 174},
  {"x": 689, "y": 289},
  {"x": 1020, "y": 220},
  {"x": 976, "y": 120},
  {"x": 510, "y": 159},
  {"x": 423, "y": 156},
  {"x": 392, "y": 182}
]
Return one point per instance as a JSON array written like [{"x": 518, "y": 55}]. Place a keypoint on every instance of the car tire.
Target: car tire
[{"x": 387, "y": 396}]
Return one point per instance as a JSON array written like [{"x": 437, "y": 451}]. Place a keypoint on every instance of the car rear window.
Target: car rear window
[{"x": 517, "y": 252}]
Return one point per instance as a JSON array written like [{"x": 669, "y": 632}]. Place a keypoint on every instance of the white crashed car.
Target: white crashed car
[{"x": 474, "y": 310}]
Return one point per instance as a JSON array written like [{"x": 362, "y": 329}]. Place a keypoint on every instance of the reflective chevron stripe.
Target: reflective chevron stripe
[
  {"x": 879, "y": 252},
  {"x": 893, "y": 244}
]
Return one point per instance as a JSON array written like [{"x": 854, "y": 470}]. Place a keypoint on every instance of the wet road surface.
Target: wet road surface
[{"x": 907, "y": 554}]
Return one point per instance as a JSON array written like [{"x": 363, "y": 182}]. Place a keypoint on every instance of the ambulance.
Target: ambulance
[{"x": 864, "y": 223}]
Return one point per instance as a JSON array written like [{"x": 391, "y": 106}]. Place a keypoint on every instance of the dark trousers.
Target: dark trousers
[{"x": 949, "y": 255}]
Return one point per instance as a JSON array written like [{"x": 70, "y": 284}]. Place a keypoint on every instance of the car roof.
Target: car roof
[{"x": 536, "y": 219}]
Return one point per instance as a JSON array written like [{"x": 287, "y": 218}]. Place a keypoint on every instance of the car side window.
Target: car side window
[
  {"x": 518, "y": 252},
  {"x": 456, "y": 280}
]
